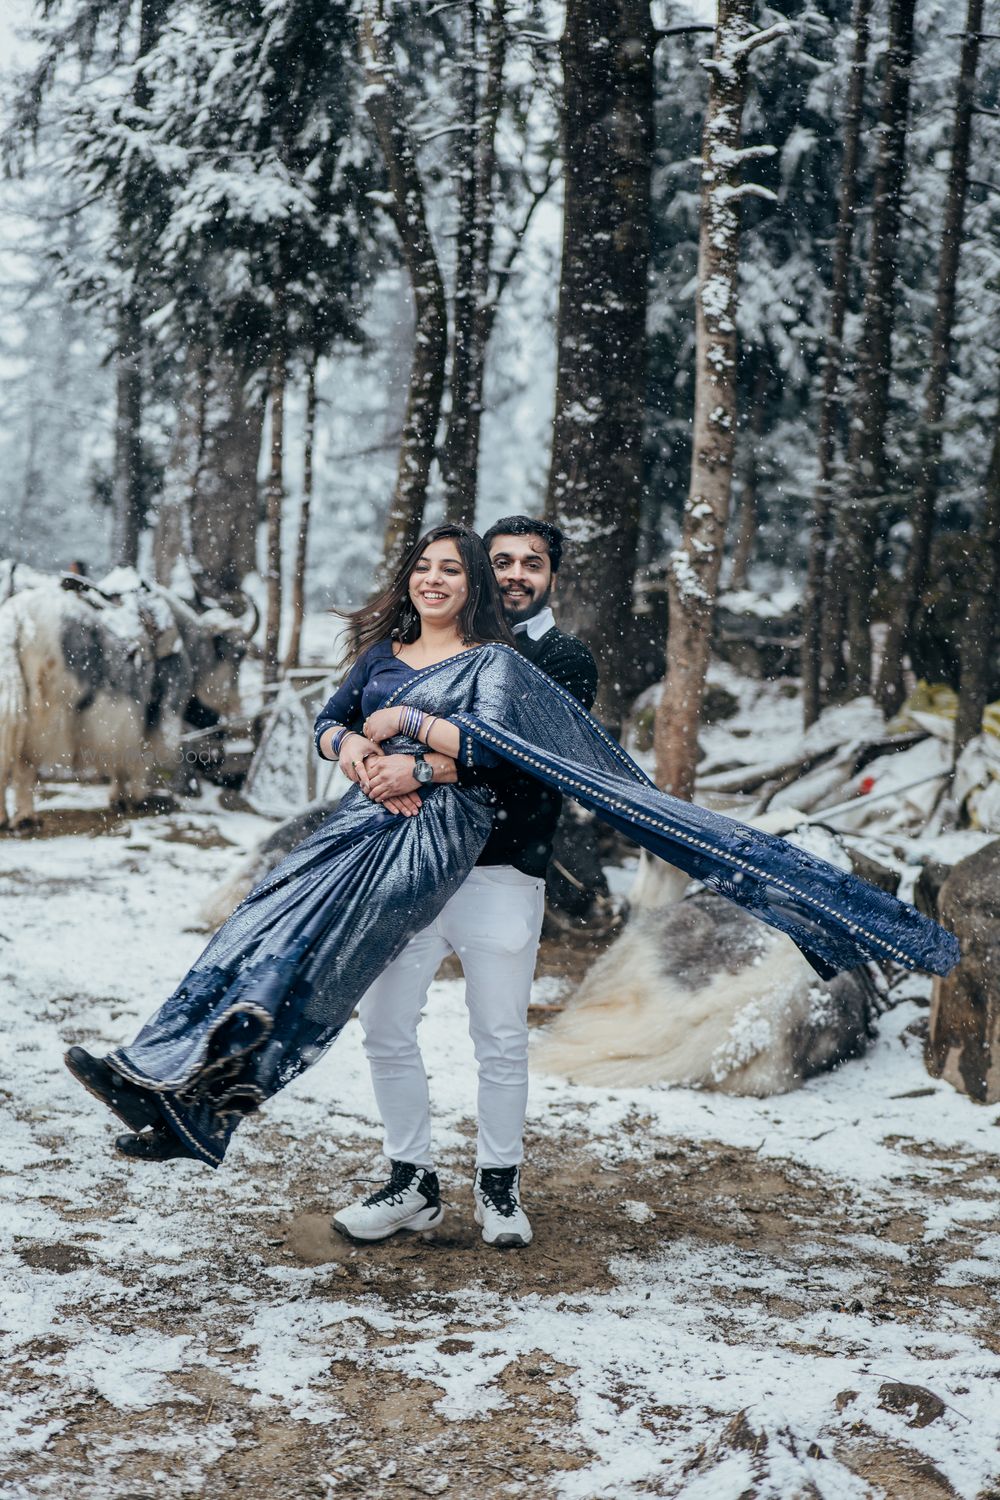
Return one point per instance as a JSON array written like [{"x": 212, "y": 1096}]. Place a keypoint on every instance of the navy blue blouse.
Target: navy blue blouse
[{"x": 374, "y": 677}]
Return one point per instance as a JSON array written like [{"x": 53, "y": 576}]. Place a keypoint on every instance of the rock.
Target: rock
[
  {"x": 718, "y": 703},
  {"x": 919, "y": 1405},
  {"x": 963, "y": 1044},
  {"x": 867, "y": 867},
  {"x": 927, "y": 891}
]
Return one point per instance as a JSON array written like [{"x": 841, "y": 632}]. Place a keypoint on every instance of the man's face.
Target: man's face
[{"x": 524, "y": 572}]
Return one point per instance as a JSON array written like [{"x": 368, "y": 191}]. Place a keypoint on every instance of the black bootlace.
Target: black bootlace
[
  {"x": 400, "y": 1178},
  {"x": 497, "y": 1187}
]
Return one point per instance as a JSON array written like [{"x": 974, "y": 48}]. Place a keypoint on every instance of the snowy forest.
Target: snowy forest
[{"x": 713, "y": 286}]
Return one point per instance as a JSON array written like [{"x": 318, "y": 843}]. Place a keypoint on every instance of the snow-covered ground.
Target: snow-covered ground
[{"x": 723, "y": 1298}]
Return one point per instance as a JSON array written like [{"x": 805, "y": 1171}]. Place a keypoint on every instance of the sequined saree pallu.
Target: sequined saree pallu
[{"x": 280, "y": 978}]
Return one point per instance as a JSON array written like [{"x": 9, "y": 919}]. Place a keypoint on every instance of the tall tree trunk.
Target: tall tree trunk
[
  {"x": 471, "y": 317},
  {"x": 172, "y": 541},
  {"x": 127, "y": 493},
  {"x": 224, "y": 504},
  {"x": 275, "y": 501},
  {"x": 819, "y": 537},
  {"x": 302, "y": 537},
  {"x": 866, "y": 458},
  {"x": 932, "y": 434},
  {"x": 384, "y": 102},
  {"x": 746, "y": 535},
  {"x": 693, "y": 577},
  {"x": 209, "y": 508},
  {"x": 595, "y": 480},
  {"x": 981, "y": 635}
]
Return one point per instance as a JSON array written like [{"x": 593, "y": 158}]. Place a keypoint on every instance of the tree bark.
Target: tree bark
[
  {"x": 471, "y": 320},
  {"x": 302, "y": 536},
  {"x": 866, "y": 458},
  {"x": 979, "y": 639},
  {"x": 384, "y": 102},
  {"x": 209, "y": 508},
  {"x": 693, "y": 576},
  {"x": 127, "y": 495},
  {"x": 172, "y": 541},
  {"x": 746, "y": 535},
  {"x": 819, "y": 537},
  {"x": 932, "y": 434},
  {"x": 224, "y": 505},
  {"x": 275, "y": 500},
  {"x": 595, "y": 479}
]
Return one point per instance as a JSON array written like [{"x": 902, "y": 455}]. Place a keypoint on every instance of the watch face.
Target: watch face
[{"x": 422, "y": 771}]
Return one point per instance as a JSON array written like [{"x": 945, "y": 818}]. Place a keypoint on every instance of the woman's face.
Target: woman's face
[{"x": 439, "y": 585}]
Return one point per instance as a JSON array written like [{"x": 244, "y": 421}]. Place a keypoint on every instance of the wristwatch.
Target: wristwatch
[{"x": 423, "y": 771}]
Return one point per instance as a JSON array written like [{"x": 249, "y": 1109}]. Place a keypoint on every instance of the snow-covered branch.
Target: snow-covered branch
[
  {"x": 728, "y": 194},
  {"x": 762, "y": 38}
]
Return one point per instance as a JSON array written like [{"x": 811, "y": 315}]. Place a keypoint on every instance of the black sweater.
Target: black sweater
[{"x": 526, "y": 811}]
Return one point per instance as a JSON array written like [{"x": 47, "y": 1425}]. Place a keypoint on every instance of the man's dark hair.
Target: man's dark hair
[{"x": 525, "y": 526}]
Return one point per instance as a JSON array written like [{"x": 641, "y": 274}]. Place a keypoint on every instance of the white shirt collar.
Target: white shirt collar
[{"x": 537, "y": 626}]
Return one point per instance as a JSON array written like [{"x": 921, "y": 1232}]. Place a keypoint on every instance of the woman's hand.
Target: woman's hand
[
  {"x": 382, "y": 724},
  {"x": 392, "y": 776},
  {"x": 353, "y": 753},
  {"x": 407, "y": 805}
]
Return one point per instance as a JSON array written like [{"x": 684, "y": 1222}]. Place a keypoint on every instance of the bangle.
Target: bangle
[
  {"x": 426, "y": 726},
  {"x": 411, "y": 721},
  {"x": 338, "y": 740}
]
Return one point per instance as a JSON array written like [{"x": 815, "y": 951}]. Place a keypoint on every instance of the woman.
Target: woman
[{"x": 436, "y": 672}]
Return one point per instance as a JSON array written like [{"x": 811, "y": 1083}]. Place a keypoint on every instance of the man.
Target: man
[
  {"x": 493, "y": 922},
  {"x": 526, "y": 554}
]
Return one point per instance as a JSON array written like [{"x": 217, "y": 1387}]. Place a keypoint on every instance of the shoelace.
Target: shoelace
[
  {"x": 399, "y": 1180},
  {"x": 497, "y": 1187}
]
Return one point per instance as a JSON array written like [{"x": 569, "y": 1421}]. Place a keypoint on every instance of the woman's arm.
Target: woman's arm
[
  {"x": 337, "y": 730},
  {"x": 434, "y": 732}
]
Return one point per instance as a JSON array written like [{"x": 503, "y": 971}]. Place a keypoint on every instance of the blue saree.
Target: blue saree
[{"x": 280, "y": 978}]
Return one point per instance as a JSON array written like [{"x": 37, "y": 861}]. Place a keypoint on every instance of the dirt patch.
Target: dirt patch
[{"x": 718, "y": 1201}]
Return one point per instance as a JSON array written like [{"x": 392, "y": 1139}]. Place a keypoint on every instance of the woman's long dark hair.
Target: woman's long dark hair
[{"x": 391, "y": 615}]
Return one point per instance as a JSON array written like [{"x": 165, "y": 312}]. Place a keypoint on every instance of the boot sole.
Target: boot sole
[
  {"x": 136, "y": 1119},
  {"x": 424, "y": 1219}
]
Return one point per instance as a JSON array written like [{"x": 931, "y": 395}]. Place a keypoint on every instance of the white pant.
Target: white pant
[{"x": 493, "y": 923}]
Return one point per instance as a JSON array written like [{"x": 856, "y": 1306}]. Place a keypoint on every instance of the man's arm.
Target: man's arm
[{"x": 570, "y": 663}]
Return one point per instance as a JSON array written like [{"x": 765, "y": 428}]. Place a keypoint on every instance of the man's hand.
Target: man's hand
[
  {"x": 353, "y": 754},
  {"x": 391, "y": 776},
  {"x": 382, "y": 724}
]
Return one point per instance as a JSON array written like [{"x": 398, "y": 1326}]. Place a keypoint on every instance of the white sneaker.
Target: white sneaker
[
  {"x": 411, "y": 1199},
  {"x": 498, "y": 1207}
]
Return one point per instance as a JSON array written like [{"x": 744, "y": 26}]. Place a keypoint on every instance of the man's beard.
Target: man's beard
[{"x": 527, "y": 609}]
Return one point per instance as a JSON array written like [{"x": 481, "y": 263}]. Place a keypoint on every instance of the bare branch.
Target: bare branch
[
  {"x": 664, "y": 31},
  {"x": 505, "y": 271}
]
